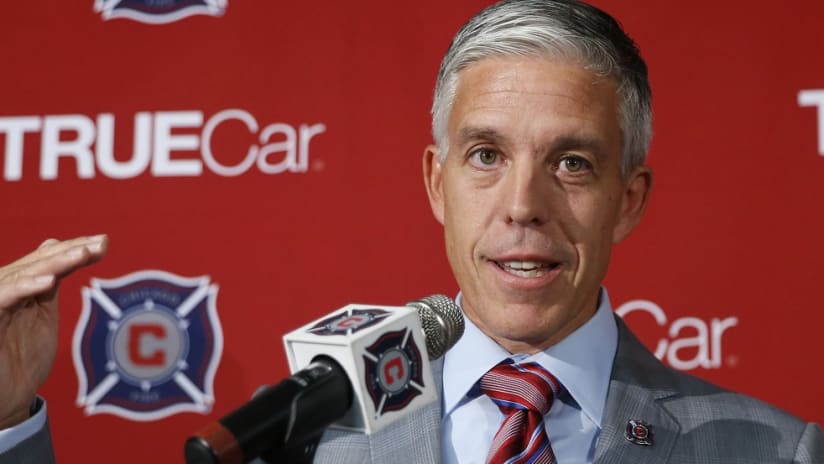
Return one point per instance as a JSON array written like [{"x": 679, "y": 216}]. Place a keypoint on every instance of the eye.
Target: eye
[
  {"x": 484, "y": 157},
  {"x": 574, "y": 164}
]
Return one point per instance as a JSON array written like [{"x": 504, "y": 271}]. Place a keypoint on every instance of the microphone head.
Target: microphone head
[{"x": 442, "y": 323}]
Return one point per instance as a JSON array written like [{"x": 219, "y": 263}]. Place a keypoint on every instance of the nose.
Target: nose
[{"x": 527, "y": 194}]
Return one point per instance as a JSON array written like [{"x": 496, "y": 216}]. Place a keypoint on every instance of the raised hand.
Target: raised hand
[{"x": 28, "y": 318}]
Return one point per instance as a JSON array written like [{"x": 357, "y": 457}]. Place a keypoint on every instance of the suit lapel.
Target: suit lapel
[{"x": 638, "y": 387}]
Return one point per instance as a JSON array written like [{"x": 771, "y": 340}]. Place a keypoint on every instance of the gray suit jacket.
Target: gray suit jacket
[
  {"x": 36, "y": 449},
  {"x": 693, "y": 422}
]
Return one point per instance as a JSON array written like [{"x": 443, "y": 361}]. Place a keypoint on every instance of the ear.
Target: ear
[
  {"x": 633, "y": 202},
  {"x": 432, "y": 180}
]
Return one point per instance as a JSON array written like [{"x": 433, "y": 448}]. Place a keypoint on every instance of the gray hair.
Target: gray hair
[{"x": 565, "y": 29}]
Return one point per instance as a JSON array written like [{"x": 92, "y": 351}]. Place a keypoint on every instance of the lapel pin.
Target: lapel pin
[{"x": 639, "y": 433}]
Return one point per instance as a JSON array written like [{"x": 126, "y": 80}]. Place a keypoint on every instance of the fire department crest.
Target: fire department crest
[
  {"x": 349, "y": 321},
  {"x": 393, "y": 371},
  {"x": 147, "y": 345},
  {"x": 158, "y": 11}
]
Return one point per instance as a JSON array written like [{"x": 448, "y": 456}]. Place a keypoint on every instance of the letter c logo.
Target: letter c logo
[
  {"x": 655, "y": 311},
  {"x": 393, "y": 370},
  {"x": 139, "y": 353},
  {"x": 351, "y": 322}
]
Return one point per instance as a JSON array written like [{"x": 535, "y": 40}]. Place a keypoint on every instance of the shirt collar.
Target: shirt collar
[{"x": 582, "y": 361}]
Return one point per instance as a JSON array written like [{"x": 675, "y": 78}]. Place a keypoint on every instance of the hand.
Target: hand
[{"x": 28, "y": 318}]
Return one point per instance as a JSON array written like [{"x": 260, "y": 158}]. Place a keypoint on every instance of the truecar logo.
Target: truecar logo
[
  {"x": 166, "y": 144},
  {"x": 703, "y": 344},
  {"x": 815, "y": 98}
]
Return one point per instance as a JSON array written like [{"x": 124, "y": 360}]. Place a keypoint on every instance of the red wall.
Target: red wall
[{"x": 730, "y": 249}]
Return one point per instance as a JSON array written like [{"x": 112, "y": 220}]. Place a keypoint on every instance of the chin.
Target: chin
[{"x": 523, "y": 334}]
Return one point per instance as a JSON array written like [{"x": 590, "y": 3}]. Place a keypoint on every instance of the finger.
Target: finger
[
  {"x": 96, "y": 244},
  {"x": 48, "y": 242},
  {"x": 14, "y": 291},
  {"x": 58, "y": 265}
]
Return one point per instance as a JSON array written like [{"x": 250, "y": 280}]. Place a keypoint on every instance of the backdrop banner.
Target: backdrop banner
[{"x": 257, "y": 164}]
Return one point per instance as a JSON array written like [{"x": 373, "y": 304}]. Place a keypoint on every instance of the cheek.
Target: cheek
[
  {"x": 464, "y": 213},
  {"x": 603, "y": 224},
  {"x": 464, "y": 228},
  {"x": 459, "y": 254},
  {"x": 458, "y": 230},
  {"x": 592, "y": 220}
]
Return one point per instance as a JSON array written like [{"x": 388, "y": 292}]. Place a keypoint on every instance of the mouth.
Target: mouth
[{"x": 527, "y": 269}]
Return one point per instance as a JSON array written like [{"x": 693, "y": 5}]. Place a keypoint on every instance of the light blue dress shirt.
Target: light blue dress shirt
[
  {"x": 11, "y": 437},
  {"x": 582, "y": 362}
]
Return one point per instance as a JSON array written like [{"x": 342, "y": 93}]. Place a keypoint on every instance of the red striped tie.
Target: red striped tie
[{"x": 524, "y": 393}]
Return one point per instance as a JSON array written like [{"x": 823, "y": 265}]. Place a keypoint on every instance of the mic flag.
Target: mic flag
[{"x": 385, "y": 352}]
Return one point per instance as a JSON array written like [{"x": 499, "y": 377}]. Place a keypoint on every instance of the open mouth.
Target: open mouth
[{"x": 526, "y": 269}]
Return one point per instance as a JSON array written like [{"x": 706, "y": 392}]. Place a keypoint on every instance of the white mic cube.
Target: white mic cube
[{"x": 382, "y": 349}]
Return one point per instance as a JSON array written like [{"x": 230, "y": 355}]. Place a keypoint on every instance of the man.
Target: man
[{"x": 542, "y": 122}]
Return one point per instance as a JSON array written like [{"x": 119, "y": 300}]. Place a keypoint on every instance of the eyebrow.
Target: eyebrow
[{"x": 470, "y": 133}]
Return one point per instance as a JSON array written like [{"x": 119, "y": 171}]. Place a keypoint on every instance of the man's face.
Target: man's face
[{"x": 531, "y": 196}]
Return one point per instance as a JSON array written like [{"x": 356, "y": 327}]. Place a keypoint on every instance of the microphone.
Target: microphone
[{"x": 359, "y": 368}]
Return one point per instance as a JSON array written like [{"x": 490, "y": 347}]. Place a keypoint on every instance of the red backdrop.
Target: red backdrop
[{"x": 729, "y": 252}]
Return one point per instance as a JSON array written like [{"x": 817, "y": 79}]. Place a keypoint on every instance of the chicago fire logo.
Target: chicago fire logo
[
  {"x": 147, "y": 345},
  {"x": 158, "y": 12},
  {"x": 349, "y": 322},
  {"x": 393, "y": 374}
]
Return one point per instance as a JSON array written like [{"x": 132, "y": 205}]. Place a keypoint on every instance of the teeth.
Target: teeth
[
  {"x": 533, "y": 273},
  {"x": 524, "y": 265},
  {"x": 525, "y": 268}
]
